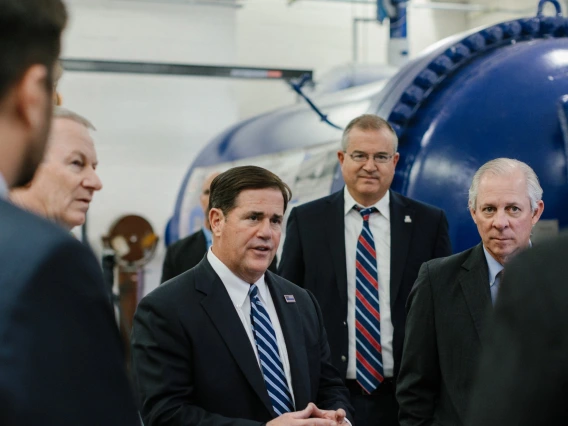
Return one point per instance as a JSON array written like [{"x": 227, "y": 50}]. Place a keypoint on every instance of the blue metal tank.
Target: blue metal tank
[{"x": 501, "y": 91}]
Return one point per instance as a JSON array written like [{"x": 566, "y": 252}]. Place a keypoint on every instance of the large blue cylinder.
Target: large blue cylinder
[{"x": 496, "y": 92}]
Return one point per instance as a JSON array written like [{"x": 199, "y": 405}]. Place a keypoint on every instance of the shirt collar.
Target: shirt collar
[
  {"x": 237, "y": 288},
  {"x": 3, "y": 188},
  {"x": 382, "y": 205},
  {"x": 493, "y": 266}
]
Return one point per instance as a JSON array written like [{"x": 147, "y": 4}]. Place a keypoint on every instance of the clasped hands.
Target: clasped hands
[{"x": 311, "y": 416}]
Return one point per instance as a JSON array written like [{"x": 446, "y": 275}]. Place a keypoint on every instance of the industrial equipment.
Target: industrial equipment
[{"x": 499, "y": 91}]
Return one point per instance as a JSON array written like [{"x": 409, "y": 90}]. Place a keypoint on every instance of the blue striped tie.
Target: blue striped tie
[
  {"x": 367, "y": 313},
  {"x": 267, "y": 345}
]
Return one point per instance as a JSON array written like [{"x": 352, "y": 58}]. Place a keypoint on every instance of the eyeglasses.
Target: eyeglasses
[{"x": 361, "y": 157}]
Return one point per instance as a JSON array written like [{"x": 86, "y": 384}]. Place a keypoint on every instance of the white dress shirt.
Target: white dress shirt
[
  {"x": 3, "y": 188},
  {"x": 380, "y": 228},
  {"x": 238, "y": 292},
  {"x": 494, "y": 268}
]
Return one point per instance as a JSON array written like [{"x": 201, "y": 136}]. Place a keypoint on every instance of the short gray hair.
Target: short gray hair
[
  {"x": 368, "y": 122},
  {"x": 502, "y": 167},
  {"x": 60, "y": 112}
]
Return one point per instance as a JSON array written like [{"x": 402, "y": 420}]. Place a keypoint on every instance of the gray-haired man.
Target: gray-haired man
[{"x": 452, "y": 296}]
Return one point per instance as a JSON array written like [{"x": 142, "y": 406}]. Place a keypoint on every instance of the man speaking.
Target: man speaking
[{"x": 228, "y": 342}]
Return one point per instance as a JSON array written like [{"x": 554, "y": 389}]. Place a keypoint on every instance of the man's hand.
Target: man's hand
[
  {"x": 309, "y": 416},
  {"x": 338, "y": 416}
]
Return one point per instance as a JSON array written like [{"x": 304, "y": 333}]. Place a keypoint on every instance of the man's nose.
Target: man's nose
[
  {"x": 500, "y": 219},
  {"x": 92, "y": 181},
  {"x": 264, "y": 229},
  {"x": 370, "y": 164}
]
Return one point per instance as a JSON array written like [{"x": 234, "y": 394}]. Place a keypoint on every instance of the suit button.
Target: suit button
[
  {"x": 343, "y": 358},
  {"x": 345, "y": 323}
]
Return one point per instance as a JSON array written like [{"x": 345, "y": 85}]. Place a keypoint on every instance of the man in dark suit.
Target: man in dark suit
[
  {"x": 60, "y": 354},
  {"x": 448, "y": 305},
  {"x": 321, "y": 253},
  {"x": 229, "y": 342},
  {"x": 523, "y": 376},
  {"x": 186, "y": 253}
]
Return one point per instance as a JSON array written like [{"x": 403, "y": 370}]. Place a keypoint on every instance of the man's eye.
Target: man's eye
[
  {"x": 77, "y": 163},
  {"x": 359, "y": 157},
  {"x": 253, "y": 217},
  {"x": 381, "y": 157},
  {"x": 276, "y": 221},
  {"x": 515, "y": 209}
]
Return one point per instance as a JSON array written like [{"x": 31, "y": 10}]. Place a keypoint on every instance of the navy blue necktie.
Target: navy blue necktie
[
  {"x": 367, "y": 313},
  {"x": 270, "y": 361}
]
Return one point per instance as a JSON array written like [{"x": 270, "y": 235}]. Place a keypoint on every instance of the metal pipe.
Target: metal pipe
[{"x": 452, "y": 7}]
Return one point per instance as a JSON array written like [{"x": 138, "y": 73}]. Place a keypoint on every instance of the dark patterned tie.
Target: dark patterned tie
[
  {"x": 367, "y": 313},
  {"x": 267, "y": 345}
]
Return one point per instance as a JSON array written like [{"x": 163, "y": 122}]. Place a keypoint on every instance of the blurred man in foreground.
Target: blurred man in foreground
[
  {"x": 359, "y": 251},
  {"x": 448, "y": 305},
  {"x": 229, "y": 342},
  {"x": 60, "y": 354},
  {"x": 66, "y": 180},
  {"x": 523, "y": 379}
]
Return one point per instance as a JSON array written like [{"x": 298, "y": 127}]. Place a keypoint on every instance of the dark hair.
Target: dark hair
[
  {"x": 368, "y": 122},
  {"x": 30, "y": 34},
  {"x": 226, "y": 187}
]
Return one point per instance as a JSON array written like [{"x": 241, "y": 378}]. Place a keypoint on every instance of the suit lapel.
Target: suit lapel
[
  {"x": 291, "y": 323},
  {"x": 335, "y": 230},
  {"x": 220, "y": 309},
  {"x": 474, "y": 282},
  {"x": 402, "y": 223}
]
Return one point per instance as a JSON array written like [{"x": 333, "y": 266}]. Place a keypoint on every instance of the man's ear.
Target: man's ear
[
  {"x": 341, "y": 157},
  {"x": 395, "y": 158},
  {"x": 537, "y": 212},
  {"x": 472, "y": 212},
  {"x": 216, "y": 219},
  {"x": 32, "y": 96}
]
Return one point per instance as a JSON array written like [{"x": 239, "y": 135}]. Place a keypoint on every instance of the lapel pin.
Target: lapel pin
[
  {"x": 289, "y": 298},
  {"x": 407, "y": 219}
]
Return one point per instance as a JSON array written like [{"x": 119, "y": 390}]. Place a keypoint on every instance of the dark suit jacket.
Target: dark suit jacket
[
  {"x": 446, "y": 315},
  {"x": 184, "y": 254},
  {"x": 314, "y": 258},
  {"x": 61, "y": 359},
  {"x": 523, "y": 377},
  {"x": 193, "y": 363}
]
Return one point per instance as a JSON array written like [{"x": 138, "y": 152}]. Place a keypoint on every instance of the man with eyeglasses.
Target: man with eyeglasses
[{"x": 359, "y": 251}]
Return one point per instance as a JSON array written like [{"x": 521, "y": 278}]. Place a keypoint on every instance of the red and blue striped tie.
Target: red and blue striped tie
[{"x": 367, "y": 313}]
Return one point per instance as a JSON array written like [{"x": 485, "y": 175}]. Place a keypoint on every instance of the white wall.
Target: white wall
[
  {"x": 318, "y": 35},
  {"x": 305, "y": 35},
  {"x": 150, "y": 128}
]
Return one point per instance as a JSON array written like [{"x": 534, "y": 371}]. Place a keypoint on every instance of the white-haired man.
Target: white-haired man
[
  {"x": 64, "y": 183},
  {"x": 452, "y": 296}
]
